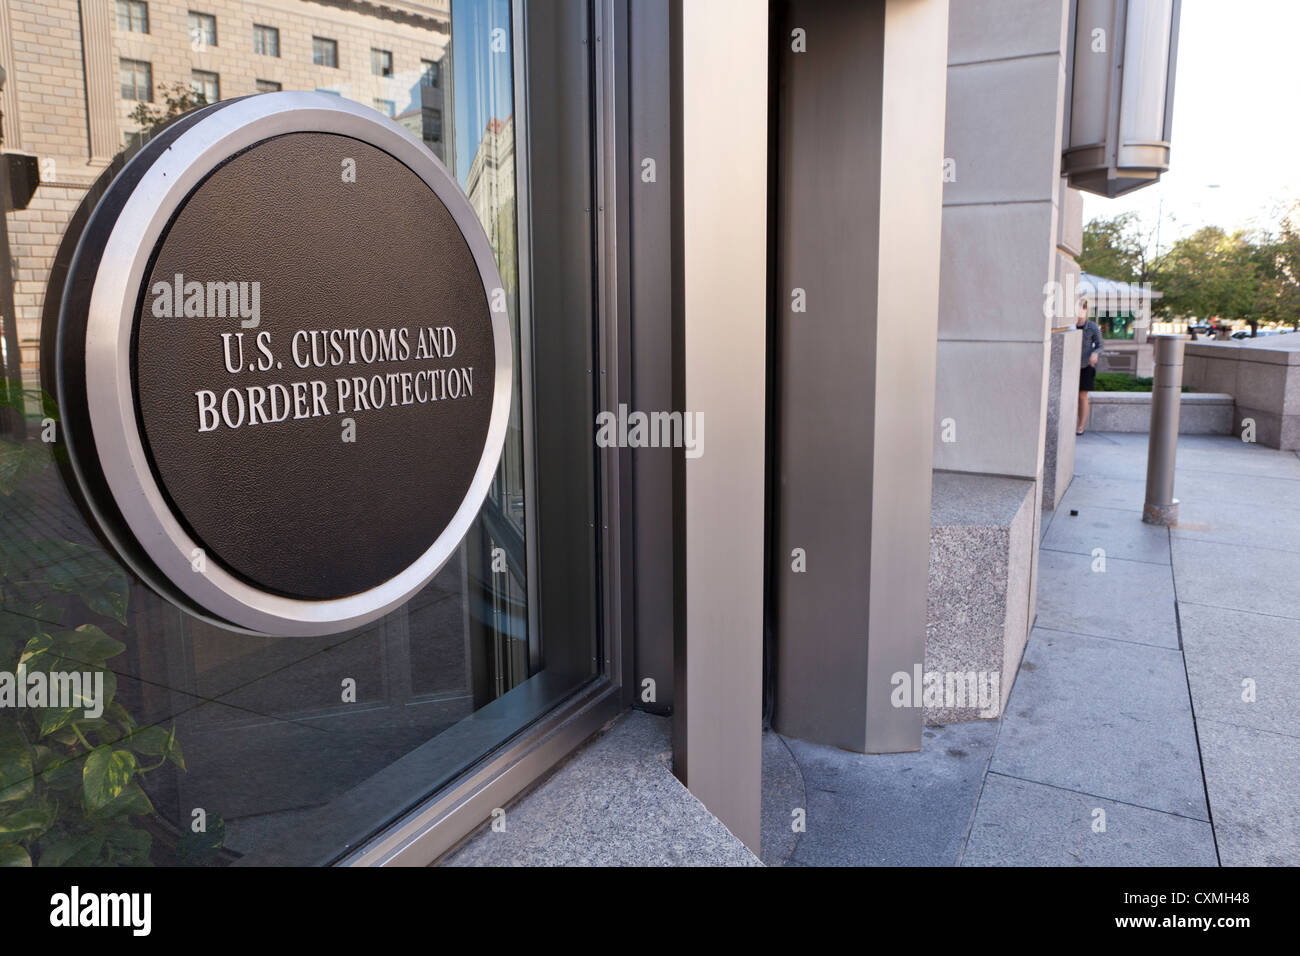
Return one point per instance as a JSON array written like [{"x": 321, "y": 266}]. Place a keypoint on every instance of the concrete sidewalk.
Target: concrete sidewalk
[
  {"x": 1129, "y": 709},
  {"x": 1131, "y": 705}
]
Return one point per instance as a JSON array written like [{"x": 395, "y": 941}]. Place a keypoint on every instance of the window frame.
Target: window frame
[
  {"x": 321, "y": 44},
  {"x": 381, "y": 62},
  {"x": 135, "y": 66},
  {"x": 202, "y": 76},
  {"x": 198, "y": 20},
  {"x": 131, "y": 7},
  {"x": 439, "y": 822},
  {"x": 434, "y": 114},
  {"x": 262, "y": 30}
]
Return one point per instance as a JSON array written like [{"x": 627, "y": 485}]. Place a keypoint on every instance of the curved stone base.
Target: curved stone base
[{"x": 1164, "y": 515}]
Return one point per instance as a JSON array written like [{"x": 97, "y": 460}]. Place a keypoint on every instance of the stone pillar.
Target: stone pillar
[
  {"x": 1062, "y": 415},
  {"x": 101, "y": 80},
  {"x": 720, "y": 310},
  {"x": 13, "y": 132},
  {"x": 860, "y": 121}
]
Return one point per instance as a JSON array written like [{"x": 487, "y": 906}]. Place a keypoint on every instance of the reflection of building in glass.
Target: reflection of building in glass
[
  {"x": 490, "y": 184},
  {"x": 76, "y": 71}
]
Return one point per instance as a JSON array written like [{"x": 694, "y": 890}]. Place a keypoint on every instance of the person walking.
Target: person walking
[{"x": 1089, "y": 356}]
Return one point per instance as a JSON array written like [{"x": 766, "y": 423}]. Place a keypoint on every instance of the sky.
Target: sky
[
  {"x": 482, "y": 86},
  {"x": 1235, "y": 147}
]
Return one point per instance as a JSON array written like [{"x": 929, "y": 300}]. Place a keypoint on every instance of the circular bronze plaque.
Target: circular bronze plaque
[
  {"x": 320, "y": 450},
  {"x": 284, "y": 363}
]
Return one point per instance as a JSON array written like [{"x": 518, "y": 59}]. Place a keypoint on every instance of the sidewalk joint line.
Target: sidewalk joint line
[
  {"x": 1105, "y": 637},
  {"x": 1097, "y": 796},
  {"x": 1239, "y": 610},
  {"x": 1109, "y": 557},
  {"x": 1196, "y": 731},
  {"x": 1258, "y": 730}
]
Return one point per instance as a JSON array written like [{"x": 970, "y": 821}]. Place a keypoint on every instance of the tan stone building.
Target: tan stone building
[{"x": 77, "y": 71}]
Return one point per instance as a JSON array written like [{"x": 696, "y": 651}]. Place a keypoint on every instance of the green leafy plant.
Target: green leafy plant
[
  {"x": 70, "y": 785},
  {"x": 1124, "y": 382}
]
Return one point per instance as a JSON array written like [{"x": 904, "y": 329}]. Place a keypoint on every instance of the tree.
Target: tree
[
  {"x": 1119, "y": 248},
  {"x": 178, "y": 99},
  {"x": 1212, "y": 273},
  {"x": 1280, "y": 270}
]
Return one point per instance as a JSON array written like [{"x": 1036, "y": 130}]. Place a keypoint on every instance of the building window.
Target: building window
[
  {"x": 387, "y": 107},
  {"x": 432, "y": 74},
  {"x": 431, "y": 125},
  {"x": 207, "y": 85},
  {"x": 133, "y": 16},
  {"x": 474, "y": 636},
  {"x": 203, "y": 30},
  {"x": 381, "y": 62},
  {"x": 266, "y": 40},
  {"x": 137, "y": 80},
  {"x": 324, "y": 52},
  {"x": 321, "y": 89}
]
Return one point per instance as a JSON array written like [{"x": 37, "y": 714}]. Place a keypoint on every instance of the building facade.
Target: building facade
[{"x": 835, "y": 239}]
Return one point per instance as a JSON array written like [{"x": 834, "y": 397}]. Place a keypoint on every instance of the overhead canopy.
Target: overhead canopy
[{"x": 1111, "y": 297}]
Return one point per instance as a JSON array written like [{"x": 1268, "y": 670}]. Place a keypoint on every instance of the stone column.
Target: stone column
[
  {"x": 101, "y": 80},
  {"x": 720, "y": 195},
  {"x": 1062, "y": 415},
  {"x": 13, "y": 133},
  {"x": 859, "y": 206}
]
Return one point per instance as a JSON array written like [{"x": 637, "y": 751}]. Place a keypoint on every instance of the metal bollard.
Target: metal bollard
[{"x": 1166, "y": 398}]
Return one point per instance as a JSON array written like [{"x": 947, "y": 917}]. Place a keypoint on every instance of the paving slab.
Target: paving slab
[
  {"x": 1121, "y": 534},
  {"x": 1019, "y": 823},
  {"x": 1252, "y": 777},
  {"x": 1129, "y": 601},
  {"x": 1103, "y": 717},
  {"x": 1240, "y": 517},
  {"x": 1102, "y": 491},
  {"x": 909, "y": 809},
  {"x": 1225, "y": 647},
  {"x": 1113, "y": 454},
  {"x": 1231, "y": 456},
  {"x": 783, "y": 793},
  {"x": 1236, "y": 576},
  {"x": 1124, "y": 455},
  {"x": 616, "y": 803},
  {"x": 1209, "y": 490}
]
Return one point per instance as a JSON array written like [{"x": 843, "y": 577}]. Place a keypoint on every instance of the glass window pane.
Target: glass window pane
[
  {"x": 203, "y": 30},
  {"x": 324, "y": 52},
  {"x": 133, "y": 16},
  {"x": 266, "y": 40},
  {"x": 136, "y": 80},
  {"x": 207, "y": 85},
  {"x": 285, "y": 765}
]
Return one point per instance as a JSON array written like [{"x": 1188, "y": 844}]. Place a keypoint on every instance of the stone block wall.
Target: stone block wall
[{"x": 1263, "y": 377}]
